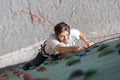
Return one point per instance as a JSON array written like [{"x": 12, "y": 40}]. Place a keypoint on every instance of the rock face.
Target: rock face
[{"x": 26, "y": 22}]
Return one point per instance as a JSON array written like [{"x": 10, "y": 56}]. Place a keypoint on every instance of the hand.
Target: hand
[
  {"x": 90, "y": 44},
  {"x": 79, "y": 49}
]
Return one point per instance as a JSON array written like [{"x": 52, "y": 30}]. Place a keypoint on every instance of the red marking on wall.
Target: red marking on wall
[
  {"x": 42, "y": 19},
  {"x": 36, "y": 18}
]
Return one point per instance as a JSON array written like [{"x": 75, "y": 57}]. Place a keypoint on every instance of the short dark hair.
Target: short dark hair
[{"x": 61, "y": 27}]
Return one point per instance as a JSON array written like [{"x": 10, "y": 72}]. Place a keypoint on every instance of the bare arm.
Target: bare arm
[
  {"x": 64, "y": 50},
  {"x": 84, "y": 38}
]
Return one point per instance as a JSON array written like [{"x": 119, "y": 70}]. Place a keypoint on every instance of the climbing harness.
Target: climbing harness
[
  {"x": 44, "y": 53},
  {"x": 42, "y": 50}
]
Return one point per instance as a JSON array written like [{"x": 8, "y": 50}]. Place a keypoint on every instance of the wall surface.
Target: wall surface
[{"x": 25, "y": 23}]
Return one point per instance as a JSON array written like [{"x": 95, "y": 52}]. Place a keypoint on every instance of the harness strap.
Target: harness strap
[
  {"x": 46, "y": 54},
  {"x": 43, "y": 49}
]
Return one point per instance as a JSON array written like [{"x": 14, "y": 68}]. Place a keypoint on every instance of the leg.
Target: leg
[{"x": 39, "y": 59}]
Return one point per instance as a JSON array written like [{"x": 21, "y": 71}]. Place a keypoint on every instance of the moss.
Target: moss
[
  {"x": 73, "y": 60},
  {"x": 106, "y": 51}
]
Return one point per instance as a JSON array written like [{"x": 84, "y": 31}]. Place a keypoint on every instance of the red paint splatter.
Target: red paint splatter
[{"x": 36, "y": 19}]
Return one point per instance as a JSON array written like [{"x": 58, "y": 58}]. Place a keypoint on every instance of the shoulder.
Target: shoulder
[
  {"x": 74, "y": 31},
  {"x": 52, "y": 39}
]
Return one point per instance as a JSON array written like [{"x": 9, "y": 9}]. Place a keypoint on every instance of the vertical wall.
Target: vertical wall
[{"x": 24, "y": 23}]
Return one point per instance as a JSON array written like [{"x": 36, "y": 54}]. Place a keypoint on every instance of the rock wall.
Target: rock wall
[{"x": 24, "y": 23}]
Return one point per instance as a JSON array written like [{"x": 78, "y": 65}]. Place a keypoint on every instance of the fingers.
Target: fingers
[{"x": 90, "y": 44}]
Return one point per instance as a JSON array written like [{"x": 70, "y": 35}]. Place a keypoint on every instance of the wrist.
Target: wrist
[{"x": 90, "y": 44}]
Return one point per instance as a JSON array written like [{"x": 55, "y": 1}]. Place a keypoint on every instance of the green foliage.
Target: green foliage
[
  {"x": 106, "y": 51},
  {"x": 73, "y": 60}
]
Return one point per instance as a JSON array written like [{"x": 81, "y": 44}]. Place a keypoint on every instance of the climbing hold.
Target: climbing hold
[
  {"x": 27, "y": 76},
  {"x": 90, "y": 72},
  {"x": 32, "y": 67},
  {"x": 55, "y": 62},
  {"x": 102, "y": 46},
  {"x": 82, "y": 54},
  {"x": 94, "y": 46},
  {"x": 69, "y": 55},
  {"x": 46, "y": 63},
  {"x": 42, "y": 79},
  {"x": 20, "y": 66},
  {"x": 43, "y": 70},
  {"x": 40, "y": 67},
  {"x": 106, "y": 51},
  {"x": 118, "y": 45},
  {"x": 73, "y": 60},
  {"x": 76, "y": 73},
  {"x": 87, "y": 50}
]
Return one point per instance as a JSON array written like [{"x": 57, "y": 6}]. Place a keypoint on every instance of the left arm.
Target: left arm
[{"x": 84, "y": 38}]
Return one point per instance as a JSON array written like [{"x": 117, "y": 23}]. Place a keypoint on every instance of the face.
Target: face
[{"x": 64, "y": 37}]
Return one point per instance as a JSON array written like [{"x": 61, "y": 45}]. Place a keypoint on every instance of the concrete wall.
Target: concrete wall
[{"x": 25, "y": 23}]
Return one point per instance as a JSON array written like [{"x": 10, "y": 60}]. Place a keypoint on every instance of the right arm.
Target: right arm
[{"x": 64, "y": 50}]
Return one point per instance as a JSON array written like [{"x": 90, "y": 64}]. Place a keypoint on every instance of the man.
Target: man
[{"x": 61, "y": 42}]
